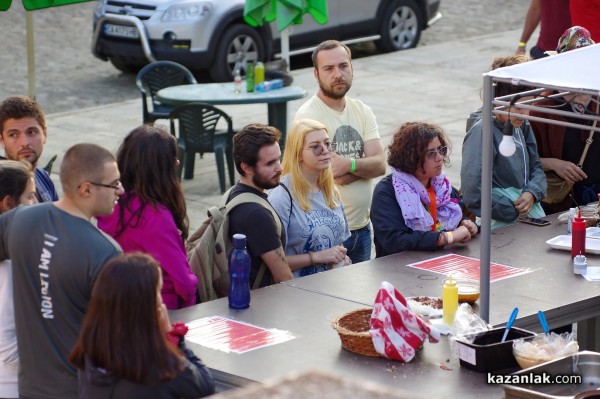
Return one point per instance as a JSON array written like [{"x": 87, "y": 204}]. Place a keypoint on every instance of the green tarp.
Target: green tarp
[
  {"x": 286, "y": 12},
  {"x": 31, "y": 5}
]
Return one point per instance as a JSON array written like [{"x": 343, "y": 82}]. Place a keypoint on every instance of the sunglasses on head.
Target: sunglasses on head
[
  {"x": 318, "y": 148},
  {"x": 442, "y": 150}
]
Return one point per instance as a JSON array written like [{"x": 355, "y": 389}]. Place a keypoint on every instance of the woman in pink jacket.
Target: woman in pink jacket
[{"x": 151, "y": 216}]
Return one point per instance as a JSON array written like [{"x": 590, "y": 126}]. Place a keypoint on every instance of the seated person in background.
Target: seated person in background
[
  {"x": 17, "y": 187},
  {"x": 123, "y": 351},
  {"x": 518, "y": 181},
  {"x": 151, "y": 216},
  {"x": 560, "y": 148},
  {"x": 413, "y": 208},
  {"x": 308, "y": 203},
  {"x": 23, "y": 133}
]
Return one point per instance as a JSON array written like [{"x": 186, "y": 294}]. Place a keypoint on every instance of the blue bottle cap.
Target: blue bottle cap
[{"x": 239, "y": 241}]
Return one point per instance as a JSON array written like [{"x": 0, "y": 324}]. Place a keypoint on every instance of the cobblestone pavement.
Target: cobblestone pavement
[{"x": 69, "y": 77}]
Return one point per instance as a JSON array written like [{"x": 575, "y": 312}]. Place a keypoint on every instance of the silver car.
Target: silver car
[{"x": 212, "y": 34}]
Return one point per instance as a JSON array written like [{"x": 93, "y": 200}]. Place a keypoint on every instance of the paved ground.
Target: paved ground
[{"x": 70, "y": 78}]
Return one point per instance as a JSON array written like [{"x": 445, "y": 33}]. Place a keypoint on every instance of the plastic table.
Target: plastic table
[{"x": 224, "y": 94}]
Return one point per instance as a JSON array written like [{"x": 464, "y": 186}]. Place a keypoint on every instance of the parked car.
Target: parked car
[{"x": 212, "y": 34}]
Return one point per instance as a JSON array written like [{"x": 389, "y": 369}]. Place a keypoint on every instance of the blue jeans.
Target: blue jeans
[{"x": 359, "y": 244}]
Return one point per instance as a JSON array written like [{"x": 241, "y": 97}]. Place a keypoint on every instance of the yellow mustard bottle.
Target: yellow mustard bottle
[{"x": 450, "y": 299}]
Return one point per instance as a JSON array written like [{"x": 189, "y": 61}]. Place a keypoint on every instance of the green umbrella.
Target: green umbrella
[
  {"x": 286, "y": 13},
  {"x": 31, "y": 5}
]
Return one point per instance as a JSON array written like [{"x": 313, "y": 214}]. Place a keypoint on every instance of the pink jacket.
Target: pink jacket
[{"x": 156, "y": 234}]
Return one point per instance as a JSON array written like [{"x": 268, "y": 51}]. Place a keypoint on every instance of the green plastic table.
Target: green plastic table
[{"x": 224, "y": 94}]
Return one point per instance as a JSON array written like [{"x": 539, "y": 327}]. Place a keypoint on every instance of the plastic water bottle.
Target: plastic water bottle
[
  {"x": 249, "y": 77},
  {"x": 239, "y": 274},
  {"x": 259, "y": 73},
  {"x": 237, "y": 81},
  {"x": 269, "y": 85}
]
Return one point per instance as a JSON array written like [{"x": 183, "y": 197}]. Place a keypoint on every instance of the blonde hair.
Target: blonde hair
[{"x": 291, "y": 165}]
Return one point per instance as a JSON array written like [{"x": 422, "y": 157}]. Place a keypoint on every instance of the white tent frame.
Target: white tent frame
[{"x": 574, "y": 72}]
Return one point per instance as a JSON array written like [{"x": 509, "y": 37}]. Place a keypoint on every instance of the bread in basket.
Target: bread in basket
[{"x": 353, "y": 328}]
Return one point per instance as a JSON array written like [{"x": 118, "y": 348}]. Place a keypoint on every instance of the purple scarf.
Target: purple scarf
[{"x": 412, "y": 195}]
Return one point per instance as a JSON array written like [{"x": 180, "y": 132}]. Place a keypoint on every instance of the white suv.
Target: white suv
[{"x": 212, "y": 34}]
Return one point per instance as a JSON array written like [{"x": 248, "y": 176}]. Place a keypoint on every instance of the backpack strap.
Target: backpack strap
[
  {"x": 245, "y": 198},
  {"x": 291, "y": 201}
]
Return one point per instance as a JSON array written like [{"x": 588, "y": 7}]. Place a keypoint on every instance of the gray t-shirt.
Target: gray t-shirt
[
  {"x": 56, "y": 258},
  {"x": 318, "y": 229}
]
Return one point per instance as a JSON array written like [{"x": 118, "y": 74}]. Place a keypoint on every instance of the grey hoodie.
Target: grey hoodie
[{"x": 523, "y": 170}]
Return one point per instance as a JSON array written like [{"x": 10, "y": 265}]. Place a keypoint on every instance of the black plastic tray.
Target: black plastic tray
[{"x": 487, "y": 353}]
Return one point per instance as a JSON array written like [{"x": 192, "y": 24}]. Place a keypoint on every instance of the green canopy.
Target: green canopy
[
  {"x": 31, "y": 5},
  {"x": 286, "y": 12}
]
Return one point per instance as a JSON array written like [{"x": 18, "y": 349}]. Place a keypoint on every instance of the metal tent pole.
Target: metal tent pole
[
  {"x": 487, "y": 143},
  {"x": 30, "y": 53}
]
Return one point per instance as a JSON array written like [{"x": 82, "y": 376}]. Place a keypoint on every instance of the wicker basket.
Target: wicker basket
[{"x": 353, "y": 328}]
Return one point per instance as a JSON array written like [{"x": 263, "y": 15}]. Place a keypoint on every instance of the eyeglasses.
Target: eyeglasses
[
  {"x": 581, "y": 108},
  {"x": 318, "y": 148},
  {"x": 431, "y": 154},
  {"x": 115, "y": 186}
]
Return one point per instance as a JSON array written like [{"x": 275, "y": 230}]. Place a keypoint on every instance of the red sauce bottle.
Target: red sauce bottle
[{"x": 578, "y": 236}]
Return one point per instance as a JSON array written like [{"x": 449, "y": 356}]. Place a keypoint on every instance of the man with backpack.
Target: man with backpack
[{"x": 257, "y": 155}]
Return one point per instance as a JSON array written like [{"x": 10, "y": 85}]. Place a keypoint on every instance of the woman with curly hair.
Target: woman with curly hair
[
  {"x": 308, "y": 202},
  {"x": 414, "y": 207},
  {"x": 151, "y": 216},
  {"x": 127, "y": 347}
]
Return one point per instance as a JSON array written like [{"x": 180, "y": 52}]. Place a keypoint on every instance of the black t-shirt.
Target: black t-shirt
[{"x": 257, "y": 224}]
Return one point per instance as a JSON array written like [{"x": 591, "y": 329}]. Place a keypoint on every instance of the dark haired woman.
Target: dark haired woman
[
  {"x": 123, "y": 350},
  {"x": 414, "y": 207},
  {"x": 151, "y": 216},
  {"x": 17, "y": 187}
]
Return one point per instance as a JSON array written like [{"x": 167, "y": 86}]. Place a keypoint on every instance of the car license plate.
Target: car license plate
[{"x": 130, "y": 32}]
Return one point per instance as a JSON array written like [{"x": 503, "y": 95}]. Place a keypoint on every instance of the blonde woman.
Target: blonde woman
[{"x": 308, "y": 203}]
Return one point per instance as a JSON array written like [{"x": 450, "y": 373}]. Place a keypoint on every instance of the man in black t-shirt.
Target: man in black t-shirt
[{"x": 257, "y": 156}]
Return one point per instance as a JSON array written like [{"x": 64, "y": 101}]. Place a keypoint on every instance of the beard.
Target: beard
[
  {"x": 264, "y": 183},
  {"x": 336, "y": 94}
]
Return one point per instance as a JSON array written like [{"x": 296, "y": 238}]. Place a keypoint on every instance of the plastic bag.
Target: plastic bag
[
  {"x": 466, "y": 327},
  {"x": 543, "y": 347},
  {"x": 467, "y": 324}
]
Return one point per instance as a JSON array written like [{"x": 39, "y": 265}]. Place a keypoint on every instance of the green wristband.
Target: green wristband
[{"x": 352, "y": 165}]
